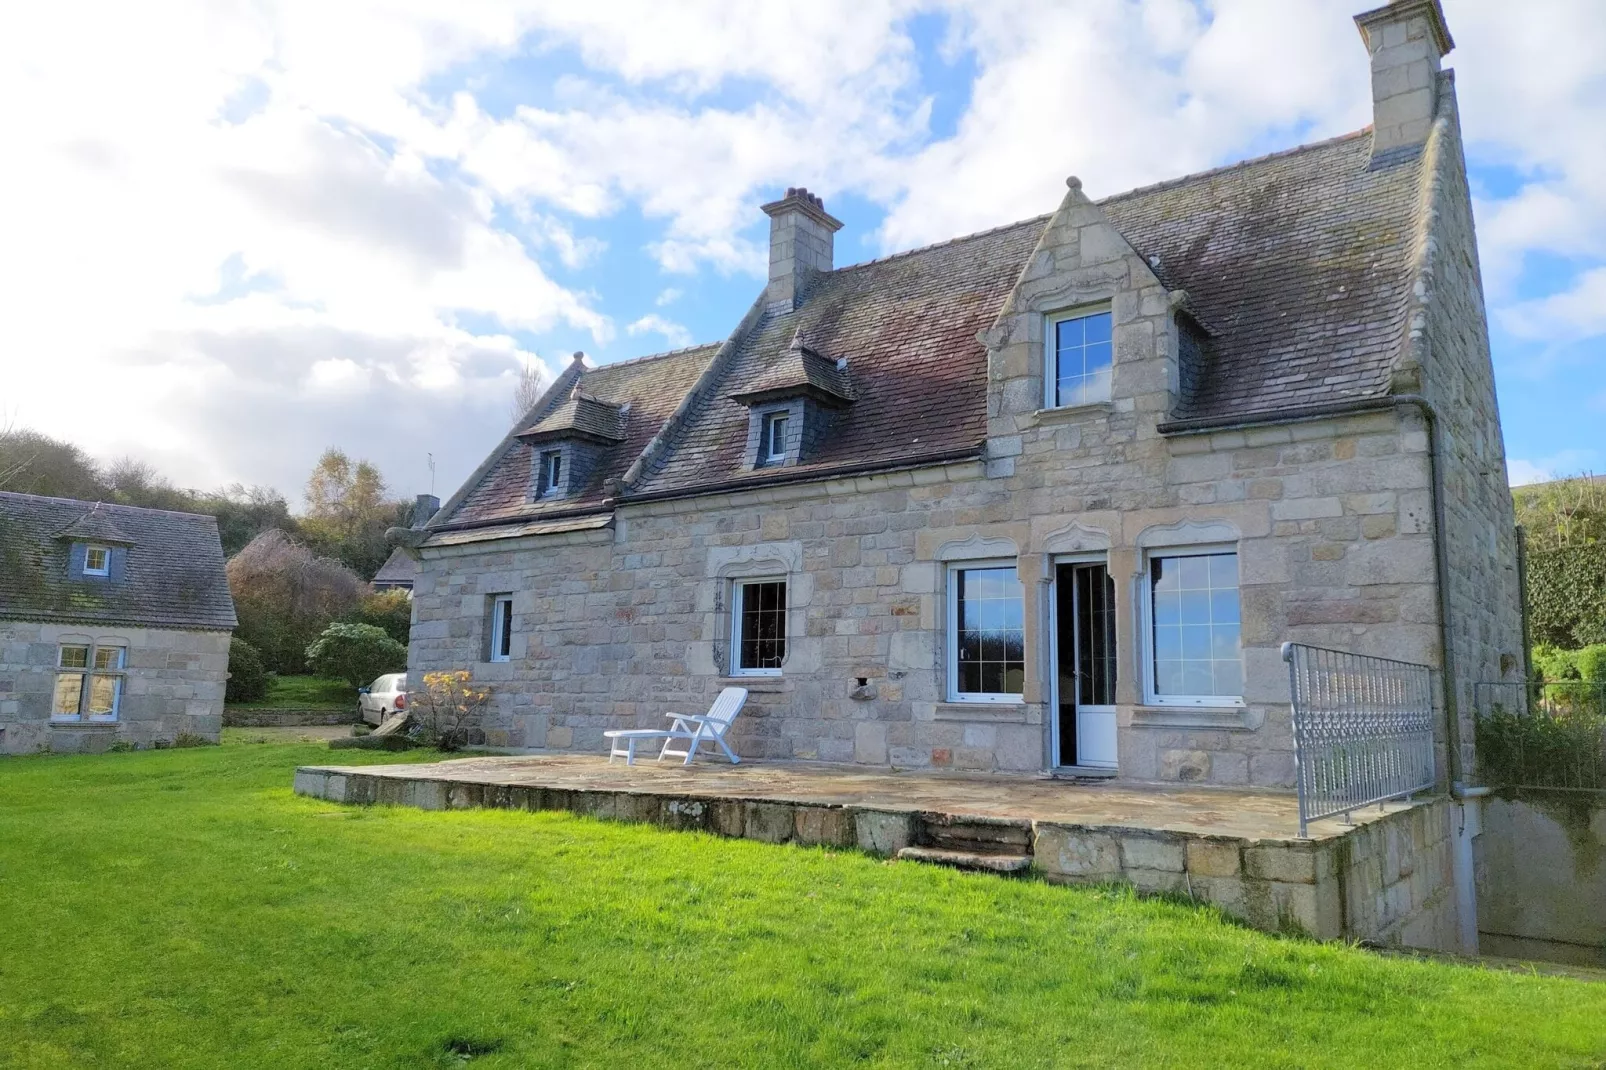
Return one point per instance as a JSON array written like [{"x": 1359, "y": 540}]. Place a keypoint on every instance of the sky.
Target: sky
[{"x": 235, "y": 233}]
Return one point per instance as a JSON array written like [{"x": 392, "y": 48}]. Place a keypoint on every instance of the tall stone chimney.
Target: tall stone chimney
[
  {"x": 426, "y": 506},
  {"x": 801, "y": 240},
  {"x": 1406, "y": 38}
]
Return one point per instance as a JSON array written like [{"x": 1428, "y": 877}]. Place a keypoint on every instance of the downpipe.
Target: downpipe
[{"x": 1467, "y": 813}]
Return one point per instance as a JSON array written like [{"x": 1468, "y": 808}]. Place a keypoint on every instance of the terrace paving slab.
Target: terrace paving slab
[{"x": 1238, "y": 814}]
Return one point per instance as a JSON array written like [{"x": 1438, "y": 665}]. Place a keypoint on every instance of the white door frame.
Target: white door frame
[{"x": 1055, "y": 562}]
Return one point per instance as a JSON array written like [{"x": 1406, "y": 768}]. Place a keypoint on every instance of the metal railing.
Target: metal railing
[
  {"x": 1363, "y": 730},
  {"x": 1542, "y": 733}
]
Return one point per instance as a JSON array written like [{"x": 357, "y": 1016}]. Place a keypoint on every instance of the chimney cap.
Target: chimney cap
[
  {"x": 799, "y": 199},
  {"x": 1397, "y": 11}
]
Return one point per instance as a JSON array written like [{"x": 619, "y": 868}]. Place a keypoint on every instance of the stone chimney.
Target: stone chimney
[
  {"x": 425, "y": 507},
  {"x": 1406, "y": 38},
  {"x": 801, "y": 242}
]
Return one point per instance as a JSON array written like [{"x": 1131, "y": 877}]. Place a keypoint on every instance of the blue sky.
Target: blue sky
[{"x": 264, "y": 229}]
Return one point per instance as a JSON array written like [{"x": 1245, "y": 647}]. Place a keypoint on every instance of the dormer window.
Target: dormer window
[
  {"x": 97, "y": 561},
  {"x": 772, "y": 439},
  {"x": 1078, "y": 351},
  {"x": 551, "y": 473}
]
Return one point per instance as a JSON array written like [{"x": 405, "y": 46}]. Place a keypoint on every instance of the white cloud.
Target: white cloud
[
  {"x": 677, "y": 336},
  {"x": 1559, "y": 466},
  {"x": 667, "y": 296}
]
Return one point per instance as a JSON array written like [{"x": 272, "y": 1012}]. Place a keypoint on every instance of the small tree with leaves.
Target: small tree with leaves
[
  {"x": 355, "y": 653},
  {"x": 447, "y": 709}
]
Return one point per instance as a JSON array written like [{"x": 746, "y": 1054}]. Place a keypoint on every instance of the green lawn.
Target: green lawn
[
  {"x": 304, "y": 693},
  {"x": 181, "y": 908}
]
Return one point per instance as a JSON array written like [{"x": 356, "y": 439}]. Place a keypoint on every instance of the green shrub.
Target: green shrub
[
  {"x": 355, "y": 653},
  {"x": 1553, "y": 664},
  {"x": 1567, "y": 595},
  {"x": 248, "y": 677},
  {"x": 1591, "y": 662},
  {"x": 1565, "y": 749}
]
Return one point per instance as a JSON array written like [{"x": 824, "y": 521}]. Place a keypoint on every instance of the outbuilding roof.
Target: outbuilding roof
[{"x": 172, "y": 575}]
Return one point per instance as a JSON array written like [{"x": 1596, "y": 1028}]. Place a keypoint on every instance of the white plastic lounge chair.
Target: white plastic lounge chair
[{"x": 695, "y": 729}]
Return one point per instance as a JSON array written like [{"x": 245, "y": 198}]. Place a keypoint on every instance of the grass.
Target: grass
[
  {"x": 304, "y": 693},
  {"x": 184, "y": 909}
]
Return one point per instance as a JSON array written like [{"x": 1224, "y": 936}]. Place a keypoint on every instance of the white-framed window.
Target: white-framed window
[
  {"x": 97, "y": 561},
  {"x": 89, "y": 682},
  {"x": 1078, "y": 349},
  {"x": 502, "y": 627},
  {"x": 1193, "y": 647},
  {"x": 758, "y": 627},
  {"x": 986, "y": 632},
  {"x": 772, "y": 438},
  {"x": 551, "y": 472}
]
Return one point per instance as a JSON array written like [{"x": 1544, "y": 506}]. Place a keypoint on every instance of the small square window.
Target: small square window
[
  {"x": 758, "y": 615},
  {"x": 772, "y": 438},
  {"x": 97, "y": 561},
  {"x": 502, "y": 628},
  {"x": 551, "y": 473},
  {"x": 1079, "y": 349}
]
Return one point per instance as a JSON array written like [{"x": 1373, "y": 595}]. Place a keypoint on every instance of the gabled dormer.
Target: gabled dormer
[
  {"x": 568, "y": 444},
  {"x": 791, "y": 405},
  {"x": 97, "y": 548}
]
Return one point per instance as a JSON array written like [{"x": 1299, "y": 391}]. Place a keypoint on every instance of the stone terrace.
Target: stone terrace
[{"x": 1386, "y": 879}]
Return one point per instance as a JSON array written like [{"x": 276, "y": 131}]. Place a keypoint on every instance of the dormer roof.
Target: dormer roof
[
  {"x": 800, "y": 371},
  {"x": 581, "y": 416},
  {"x": 95, "y": 525}
]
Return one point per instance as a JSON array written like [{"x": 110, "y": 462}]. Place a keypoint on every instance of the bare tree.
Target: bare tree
[{"x": 528, "y": 390}]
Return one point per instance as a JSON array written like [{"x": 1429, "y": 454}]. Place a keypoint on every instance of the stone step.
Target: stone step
[
  {"x": 985, "y": 863},
  {"x": 976, "y": 835}
]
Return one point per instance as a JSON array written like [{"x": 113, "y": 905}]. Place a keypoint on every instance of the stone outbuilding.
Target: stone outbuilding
[
  {"x": 114, "y": 625},
  {"x": 1046, "y": 498}
]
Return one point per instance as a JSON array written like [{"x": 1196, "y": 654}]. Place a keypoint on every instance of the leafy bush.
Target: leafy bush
[
  {"x": 248, "y": 677},
  {"x": 391, "y": 610},
  {"x": 1592, "y": 663},
  {"x": 1567, "y": 595},
  {"x": 1559, "y": 748},
  {"x": 445, "y": 712},
  {"x": 1554, "y": 665},
  {"x": 355, "y": 653}
]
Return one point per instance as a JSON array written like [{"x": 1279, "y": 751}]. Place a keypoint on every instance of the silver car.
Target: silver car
[{"x": 383, "y": 697}]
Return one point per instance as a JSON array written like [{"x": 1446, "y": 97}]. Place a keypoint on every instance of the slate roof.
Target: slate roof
[
  {"x": 399, "y": 570},
  {"x": 173, "y": 576},
  {"x": 647, "y": 390},
  {"x": 1298, "y": 265},
  {"x": 583, "y": 415},
  {"x": 800, "y": 370}
]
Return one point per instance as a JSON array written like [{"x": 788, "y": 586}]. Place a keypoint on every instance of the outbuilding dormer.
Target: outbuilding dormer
[
  {"x": 567, "y": 445},
  {"x": 791, "y": 405},
  {"x": 97, "y": 547}
]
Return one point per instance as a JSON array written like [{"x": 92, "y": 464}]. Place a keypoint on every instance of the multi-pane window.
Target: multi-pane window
[
  {"x": 1079, "y": 352},
  {"x": 758, "y": 614},
  {"x": 1194, "y": 628},
  {"x": 89, "y": 682},
  {"x": 772, "y": 438},
  {"x": 502, "y": 627},
  {"x": 551, "y": 472},
  {"x": 97, "y": 561},
  {"x": 986, "y": 632}
]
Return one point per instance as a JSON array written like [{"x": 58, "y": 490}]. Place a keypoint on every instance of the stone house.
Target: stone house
[
  {"x": 114, "y": 625},
  {"x": 1046, "y": 498}
]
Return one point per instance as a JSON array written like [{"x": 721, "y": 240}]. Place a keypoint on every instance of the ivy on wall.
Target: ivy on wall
[{"x": 1567, "y": 595}]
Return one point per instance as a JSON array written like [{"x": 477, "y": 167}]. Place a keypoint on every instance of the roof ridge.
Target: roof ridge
[
  {"x": 1045, "y": 217},
  {"x": 682, "y": 351},
  {"x": 110, "y": 505},
  {"x": 1193, "y": 176}
]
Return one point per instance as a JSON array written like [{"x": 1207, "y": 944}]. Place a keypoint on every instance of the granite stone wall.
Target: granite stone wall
[{"x": 173, "y": 685}]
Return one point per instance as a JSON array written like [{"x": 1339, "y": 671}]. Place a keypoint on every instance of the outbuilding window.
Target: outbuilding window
[
  {"x": 97, "y": 560},
  {"x": 551, "y": 473},
  {"x": 772, "y": 439},
  {"x": 758, "y": 627},
  {"x": 986, "y": 633},
  {"x": 89, "y": 682}
]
